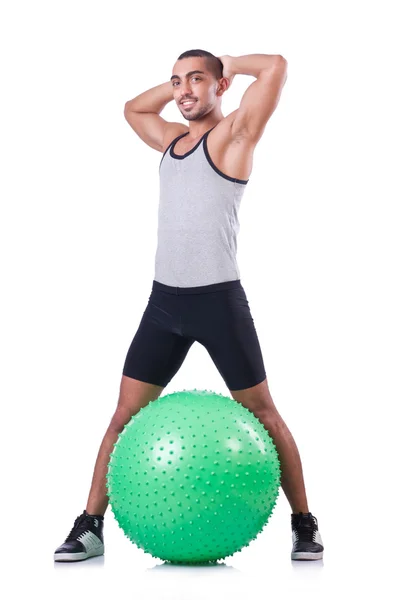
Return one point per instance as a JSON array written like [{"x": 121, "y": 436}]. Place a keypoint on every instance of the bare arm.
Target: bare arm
[
  {"x": 143, "y": 114},
  {"x": 262, "y": 96}
]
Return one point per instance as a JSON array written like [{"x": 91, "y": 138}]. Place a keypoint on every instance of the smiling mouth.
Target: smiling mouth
[{"x": 188, "y": 102}]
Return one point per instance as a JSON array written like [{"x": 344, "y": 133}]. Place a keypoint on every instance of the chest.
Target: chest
[{"x": 232, "y": 158}]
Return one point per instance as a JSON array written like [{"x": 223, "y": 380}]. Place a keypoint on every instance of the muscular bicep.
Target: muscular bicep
[
  {"x": 259, "y": 101},
  {"x": 150, "y": 127}
]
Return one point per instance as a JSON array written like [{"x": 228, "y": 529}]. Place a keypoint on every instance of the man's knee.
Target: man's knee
[
  {"x": 270, "y": 418},
  {"x": 257, "y": 399},
  {"x": 121, "y": 417}
]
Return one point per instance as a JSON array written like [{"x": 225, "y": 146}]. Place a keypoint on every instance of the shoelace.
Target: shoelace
[
  {"x": 80, "y": 526},
  {"x": 305, "y": 527}
]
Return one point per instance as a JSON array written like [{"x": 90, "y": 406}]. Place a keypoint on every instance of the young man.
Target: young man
[{"x": 197, "y": 293}]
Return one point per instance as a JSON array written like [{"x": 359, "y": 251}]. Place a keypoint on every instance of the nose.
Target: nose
[{"x": 185, "y": 90}]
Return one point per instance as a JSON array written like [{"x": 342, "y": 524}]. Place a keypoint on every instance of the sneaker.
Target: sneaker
[
  {"x": 306, "y": 539},
  {"x": 84, "y": 540}
]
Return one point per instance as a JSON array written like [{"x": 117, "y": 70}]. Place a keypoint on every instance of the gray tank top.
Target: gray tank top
[{"x": 197, "y": 219}]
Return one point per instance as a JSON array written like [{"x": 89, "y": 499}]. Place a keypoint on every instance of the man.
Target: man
[{"x": 197, "y": 293}]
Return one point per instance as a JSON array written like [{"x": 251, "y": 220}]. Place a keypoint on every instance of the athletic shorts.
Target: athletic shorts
[{"x": 217, "y": 316}]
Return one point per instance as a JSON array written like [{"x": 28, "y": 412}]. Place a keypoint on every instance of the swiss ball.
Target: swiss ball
[{"x": 193, "y": 477}]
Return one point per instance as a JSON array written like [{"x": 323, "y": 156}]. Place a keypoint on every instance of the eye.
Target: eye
[{"x": 175, "y": 82}]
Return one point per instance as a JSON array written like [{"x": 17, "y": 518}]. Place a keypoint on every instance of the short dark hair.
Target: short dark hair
[{"x": 213, "y": 63}]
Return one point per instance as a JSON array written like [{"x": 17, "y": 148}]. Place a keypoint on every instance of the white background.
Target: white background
[{"x": 79, "y": 199}]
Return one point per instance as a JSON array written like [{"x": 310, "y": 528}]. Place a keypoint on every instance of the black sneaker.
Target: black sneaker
[
  {"x": 84, "y": 540},
  {"x": 306, "y": 539}
]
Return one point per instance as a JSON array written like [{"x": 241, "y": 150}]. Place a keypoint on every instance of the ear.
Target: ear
[{"x": 224, "y": 84}]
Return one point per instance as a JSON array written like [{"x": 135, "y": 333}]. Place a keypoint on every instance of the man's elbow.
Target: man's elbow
[
  {"x": 281, "y": 63},
  {"x": 281, "y": 60}
]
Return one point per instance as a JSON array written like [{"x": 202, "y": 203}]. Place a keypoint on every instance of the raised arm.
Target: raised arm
[
  {"x": 262, "y": 96},
  {"x": 143, "y": 114}
]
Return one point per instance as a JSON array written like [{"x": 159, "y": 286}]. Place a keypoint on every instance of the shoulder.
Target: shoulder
[
  {"x": 231, "y": 153},
  {"x": 172, "y": 131},
  {"x": 225, "y": 134}
]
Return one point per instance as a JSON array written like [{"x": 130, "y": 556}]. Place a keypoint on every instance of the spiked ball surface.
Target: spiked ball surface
[{"x": 193, "y": 477}]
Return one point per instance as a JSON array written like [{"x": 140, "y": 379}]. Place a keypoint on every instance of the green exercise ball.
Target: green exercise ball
[{"x": 193, "y": 477}]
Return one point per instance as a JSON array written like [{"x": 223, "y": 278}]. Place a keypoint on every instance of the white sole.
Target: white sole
[
  {"x": 306, "y": 555},
  {"x": 74, "y": 556}
]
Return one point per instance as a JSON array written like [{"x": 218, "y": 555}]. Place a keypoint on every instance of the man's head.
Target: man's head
[{"x": 197, "y": 75}]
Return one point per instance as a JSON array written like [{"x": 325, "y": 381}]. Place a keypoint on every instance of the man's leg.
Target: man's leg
[
  {"x": 225, "y": 327},
  {"x": 259, "y": 401},
  {"x": 155, "y": 355},
  {"x": 134, "y": 395},
  {"x": 85, "y": 539}
]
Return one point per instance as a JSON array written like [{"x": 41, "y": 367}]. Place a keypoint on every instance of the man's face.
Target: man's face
[{"x": 191, "y": 80}]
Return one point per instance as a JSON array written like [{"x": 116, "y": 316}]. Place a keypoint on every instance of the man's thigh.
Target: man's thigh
[{"x": 223, "y": 324}]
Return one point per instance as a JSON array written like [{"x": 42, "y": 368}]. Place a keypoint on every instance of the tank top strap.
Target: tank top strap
[{"x": 174, "y": 141}]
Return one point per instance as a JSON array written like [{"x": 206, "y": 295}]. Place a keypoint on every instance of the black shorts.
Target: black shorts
[{"x": 217, "y": 316}]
